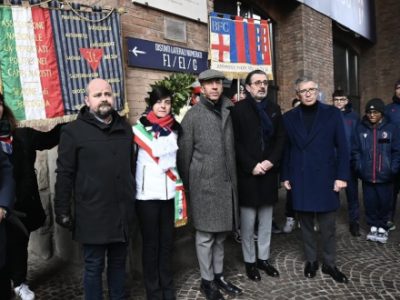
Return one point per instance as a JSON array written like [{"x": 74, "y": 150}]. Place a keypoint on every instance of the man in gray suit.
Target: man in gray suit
[{"x": 206, "y": 161}]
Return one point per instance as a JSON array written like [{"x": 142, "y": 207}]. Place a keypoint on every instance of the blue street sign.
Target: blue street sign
[{"x": 152, "y": 55}]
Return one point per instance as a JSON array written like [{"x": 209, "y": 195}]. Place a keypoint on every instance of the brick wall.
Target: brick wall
[
  {"x": 146, "y": 23},
  {"x": 379, "y": 64},
  {"x": 303, "y": 47}
]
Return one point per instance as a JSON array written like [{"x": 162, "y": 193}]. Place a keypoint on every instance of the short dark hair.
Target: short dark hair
[
  {"x": 396, "y": 84},
  {"x": 248, "y": 77},
  {"x": 8, "y": 114},
  {"x": 339, "y": 93},
  {"x": 157, "y": 93}
]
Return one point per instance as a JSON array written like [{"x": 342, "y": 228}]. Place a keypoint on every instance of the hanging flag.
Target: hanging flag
[
  {"x": 239, "y": 46},
  {"x": 47, "y": 57}
]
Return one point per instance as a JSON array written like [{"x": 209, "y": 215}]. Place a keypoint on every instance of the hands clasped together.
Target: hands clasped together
[{"x": 262, "y": 167}]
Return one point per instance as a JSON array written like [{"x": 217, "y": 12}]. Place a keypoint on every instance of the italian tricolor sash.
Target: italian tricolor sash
[{"x": 143, "y": 139}]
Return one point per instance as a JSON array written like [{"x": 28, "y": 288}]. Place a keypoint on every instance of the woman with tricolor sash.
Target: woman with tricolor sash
[{"x": 161, "y": 202}]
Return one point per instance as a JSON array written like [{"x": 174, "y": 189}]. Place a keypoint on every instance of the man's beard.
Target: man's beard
[{"x": 104, "y": 110}]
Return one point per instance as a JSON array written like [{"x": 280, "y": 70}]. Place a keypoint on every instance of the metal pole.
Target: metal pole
[{"x": 238, "y": 3}]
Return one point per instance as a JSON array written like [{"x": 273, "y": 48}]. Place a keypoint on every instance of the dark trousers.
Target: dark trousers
[
  {"x": 5, "y": 284},
  {"x": 377, "y": 201},
  {"x": 94, "y": 256},
  {"x": 289, "y": 212},
  {"x": 156, "y": 220},
  {"x": 17, "y": 254},
  {"x": 353, "y": 205},
  {"x": 327, "y": 226},
  {"x": 396, "y": 190}
]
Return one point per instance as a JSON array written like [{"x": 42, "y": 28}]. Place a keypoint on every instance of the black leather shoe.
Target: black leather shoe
[
  {"x": 227, "y": 286},
  {"x": 354, "y": 229},
  {"x": 310, "y": 270},
  {"x": 210, "y": 290},
  {"x": 252, "y": 272},
  {"x": 267, "y": 267},
  {"x": 334, "y": 273}
]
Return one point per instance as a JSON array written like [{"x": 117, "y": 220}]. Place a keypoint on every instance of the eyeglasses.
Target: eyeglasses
[
  {"x": 397, "y": 87},
  {"x": 259, "y": 83},
  {"x": 305, "y": 91},
  {"x": 344, "y": 99},
  {"x": 373, "y": 112}
]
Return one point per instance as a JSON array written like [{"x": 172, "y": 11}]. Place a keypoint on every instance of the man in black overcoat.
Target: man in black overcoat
[
  {"x": 96, "y": 163},
  {"x": 259, "y": 141}
]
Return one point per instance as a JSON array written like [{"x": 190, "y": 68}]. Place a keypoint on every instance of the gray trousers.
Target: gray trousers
[
  {"x": 210, "y": 253},
  {"x": 327, "y": 226},
  {"x": 247, "y": 221}
]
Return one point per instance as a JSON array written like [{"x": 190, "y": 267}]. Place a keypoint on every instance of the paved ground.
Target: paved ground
[{"x": 373, "y": 271}]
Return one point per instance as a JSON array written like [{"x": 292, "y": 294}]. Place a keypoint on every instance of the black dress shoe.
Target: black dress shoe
[
  {"x": 354, "y": 229},
  {"x": 310, "y": 270},
  {"x": 227, "y": 286},
  {"x": 334, "y": 273},
  {"x": 267, "y": 267},
  {"x": 252, "y": 272},
  {"x": 210, "y": 290}
]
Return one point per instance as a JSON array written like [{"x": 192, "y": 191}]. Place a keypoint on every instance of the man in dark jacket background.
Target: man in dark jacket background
[
  {"x": 316, "y": 167},
  {"x": 351, "y": 120},
  {"x": 95, "y": 164},
  {"x": 392, "y": 113},
  {"x": 259, "y": 142},
  {"x": 376, "y": 158}
]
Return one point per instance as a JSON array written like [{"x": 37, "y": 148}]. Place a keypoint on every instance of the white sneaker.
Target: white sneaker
[
  {"x": 289, "y": 225},
  {"x": 23, "y": 292},
  {"x": 382, "y": 236},
  {"x": 373, "y": 234}
]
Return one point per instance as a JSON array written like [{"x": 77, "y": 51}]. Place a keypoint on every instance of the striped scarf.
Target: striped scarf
[{"x": 143, "y": 138}]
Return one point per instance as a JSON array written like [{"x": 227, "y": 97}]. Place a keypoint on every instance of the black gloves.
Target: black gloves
[{"x": 64, "y": 221}]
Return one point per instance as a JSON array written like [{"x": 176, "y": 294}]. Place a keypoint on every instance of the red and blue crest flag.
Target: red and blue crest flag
[
  {"x": 49, "y": 54},
  {"x": 239, "y": 46}
]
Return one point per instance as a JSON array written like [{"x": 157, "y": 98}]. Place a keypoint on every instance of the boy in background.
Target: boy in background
[{"x": 376, "y": 159}]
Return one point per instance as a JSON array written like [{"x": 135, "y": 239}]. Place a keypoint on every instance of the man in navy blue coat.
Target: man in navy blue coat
[{"x": 315, "y": 169}]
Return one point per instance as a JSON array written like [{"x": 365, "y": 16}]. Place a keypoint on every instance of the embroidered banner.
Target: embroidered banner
[
  {"x": 47, "y": 57},
  {"x": 239, "y": 46}
]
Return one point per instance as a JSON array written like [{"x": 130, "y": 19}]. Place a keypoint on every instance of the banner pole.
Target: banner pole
[{"x": 238, "y": 3}]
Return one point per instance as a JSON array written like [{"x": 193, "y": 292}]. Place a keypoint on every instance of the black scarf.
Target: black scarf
[{"x": 267, "y": 128}]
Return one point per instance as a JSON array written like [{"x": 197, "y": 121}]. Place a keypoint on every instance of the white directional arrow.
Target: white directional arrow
[{"x": 135, "y": 51}]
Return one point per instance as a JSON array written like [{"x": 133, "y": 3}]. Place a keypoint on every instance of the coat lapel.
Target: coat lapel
[
  {"x": 225, "y": 111},
  {"x": 297, "y": 124},
  {"x": 318, "y": 122},
  {"x": 302, "y": 137}
]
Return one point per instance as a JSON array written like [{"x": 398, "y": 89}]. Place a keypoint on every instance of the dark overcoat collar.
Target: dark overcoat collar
[{"x": 301, "y": 135}]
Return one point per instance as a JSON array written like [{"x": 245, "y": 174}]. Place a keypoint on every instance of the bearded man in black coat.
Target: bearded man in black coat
[
  {"x": 259, "y": 142},
  {"x": 96, "y": 163}
]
